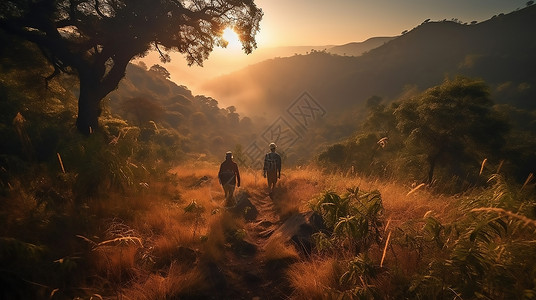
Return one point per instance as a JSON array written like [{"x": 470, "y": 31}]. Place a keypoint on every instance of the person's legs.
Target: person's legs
[
  {"x": 229, "y": 194},
  {"x": 225, "y": 191},
  {"x": 272, "y": 180}
]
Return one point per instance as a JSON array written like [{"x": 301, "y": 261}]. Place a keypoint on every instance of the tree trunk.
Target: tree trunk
[
  {"x": 432, "y": 160},
  {"x": 95, "y": 84},
  {"x": 89, "y": 108},
  {"x": 431, "y": 163}
]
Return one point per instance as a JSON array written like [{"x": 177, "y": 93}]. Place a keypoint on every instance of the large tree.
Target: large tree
[
  {"x": 452, "y": 122},
  {"x": 96, "y": 39}
]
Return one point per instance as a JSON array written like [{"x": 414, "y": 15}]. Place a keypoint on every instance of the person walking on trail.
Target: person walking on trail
[
  {"x": 272, "y": 167},
  {"x": 229, "y": 177}
]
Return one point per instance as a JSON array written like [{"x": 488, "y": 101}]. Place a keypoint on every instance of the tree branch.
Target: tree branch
[{"x": 97, "y": 9}]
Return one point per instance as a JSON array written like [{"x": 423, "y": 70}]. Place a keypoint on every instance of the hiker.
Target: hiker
[
  {"x": 229, "y": 177},
  {"x": 272, "y": 167}
]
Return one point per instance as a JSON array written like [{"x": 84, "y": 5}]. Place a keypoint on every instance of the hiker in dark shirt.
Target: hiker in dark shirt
[
  {"x": 272, "y": 167},
  {"x": 229, "y": 177}
]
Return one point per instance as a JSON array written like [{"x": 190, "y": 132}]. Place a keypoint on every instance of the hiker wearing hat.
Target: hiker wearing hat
[
  {"x": 272, "y": 167},
  {"x": 229, "y": 177}
]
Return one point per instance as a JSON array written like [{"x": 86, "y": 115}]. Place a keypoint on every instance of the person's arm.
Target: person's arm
[
  {"x": 237, "y": 175},
  {"x": 278, "y": 166},
  {"x": 265, "y": 165},
  {"x": 219, "y": 174}
]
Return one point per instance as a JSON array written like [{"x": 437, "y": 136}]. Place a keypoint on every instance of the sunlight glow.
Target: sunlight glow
[{"x": 230, "y": 36}]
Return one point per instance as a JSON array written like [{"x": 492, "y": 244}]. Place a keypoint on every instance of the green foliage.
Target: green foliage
[
  {"x": 98, "y": 167},
  {"x": 361, "y": 270},
  {"x": 171, "y": 116},
  {"x": 59, "y": 30},
  {"x": 354, "y": 223},
  {"x": 433, "y": 229},
  {"x": 56, "y": 184},
  {"x": 451, "y": 123},
  {"x": 36, "y": 124},
  {"x": 487, "y": 252},
  {"x": 448, "y": 130},
  {"x": 323, "y": 243},
  {"x": 334, "y": 154},
  {"x": 19, "y": 261},
  {"x": 354, "y": 220},
  {"x": 332, "y": 207},
  {"x": 364, "y": 153},
  {"x": 12, "y": 249}
]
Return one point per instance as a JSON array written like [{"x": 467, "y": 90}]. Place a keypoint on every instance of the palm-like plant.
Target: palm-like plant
[{"x": 354, "y": 220}]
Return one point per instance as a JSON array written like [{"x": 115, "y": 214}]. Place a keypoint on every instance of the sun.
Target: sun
[{"x": 232, "y": 38}]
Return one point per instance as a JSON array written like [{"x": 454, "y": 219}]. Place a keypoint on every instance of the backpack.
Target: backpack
[
  {"x": 227, "y": 177},
  {"x": 270, "y": 162},
  {"x": 227, "y": 174}
]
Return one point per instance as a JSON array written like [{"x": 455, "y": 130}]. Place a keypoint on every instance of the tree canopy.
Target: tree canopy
[
  {"x": 96, "y": 39},
  {"x": 451, "y": 121},
  {"x": 439, "y": 135}
]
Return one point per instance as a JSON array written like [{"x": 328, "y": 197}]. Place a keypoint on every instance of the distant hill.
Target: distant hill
[
  {"x": 500, "y": 51},
  {"x": 358, "y": 48},
  {"x": 147, "y": 98}
]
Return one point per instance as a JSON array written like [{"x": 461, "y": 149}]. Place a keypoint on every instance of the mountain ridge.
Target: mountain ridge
[
  {"x": 358, "y": 48},
  {"x": 497, "y": 50}
]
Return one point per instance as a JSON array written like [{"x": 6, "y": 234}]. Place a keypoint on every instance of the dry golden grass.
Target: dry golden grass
[
  {"x": 165, "y": 246},
  {"x": 277, "y": 248},
  {"x": 159, "y": 219},
  {"x": 218, "y": 226},
  {"x": 21, "y": 206},
  {"x": 398, "y": 202},
  {"x": 176, "y": 284},
  {"x": 115, "y": 263},
  {"x": 312, "y": 279},
  {"x": 252, "y": 179},
  {"x": 399, "y": 206},
  {"x": 195, "y": 169},
  {"x": 295, "y": 191},
  {"x": 168, "y": 226},
  {"x": 123, "y": 206}
]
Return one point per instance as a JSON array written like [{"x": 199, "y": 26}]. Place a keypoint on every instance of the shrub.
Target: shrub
[{"x": 354, "y": 220}]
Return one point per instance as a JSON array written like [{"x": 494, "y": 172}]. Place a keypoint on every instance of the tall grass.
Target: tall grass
[
  {"x": 384, "y": 240},
  {"x": 314, "y": 279},
  {"x": 171, "y": 283},
  {"x": 440, "y": 246},
  {"x": 473, "y": 255},
  {"x": 277, "y": 248}
]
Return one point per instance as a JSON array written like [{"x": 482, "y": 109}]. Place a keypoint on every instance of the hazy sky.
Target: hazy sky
[
  {"x": 316, "y": 22},
  {"x": 321, "y": 23}
]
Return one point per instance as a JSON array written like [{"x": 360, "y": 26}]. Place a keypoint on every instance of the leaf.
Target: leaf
[{"x": 125, "y": 239}]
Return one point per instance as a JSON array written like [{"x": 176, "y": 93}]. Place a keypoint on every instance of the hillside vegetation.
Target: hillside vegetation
[
  {"x": 376, "y": 240},
  {"x": 195, "y": 123},
  {"x": 496, "y": 51}
]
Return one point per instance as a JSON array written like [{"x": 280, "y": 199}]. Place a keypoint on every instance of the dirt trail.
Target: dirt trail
[{"x": 247, "y": 273}]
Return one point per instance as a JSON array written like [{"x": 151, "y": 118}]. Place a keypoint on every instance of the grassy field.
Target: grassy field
[{"x": 175, "y": 240}]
